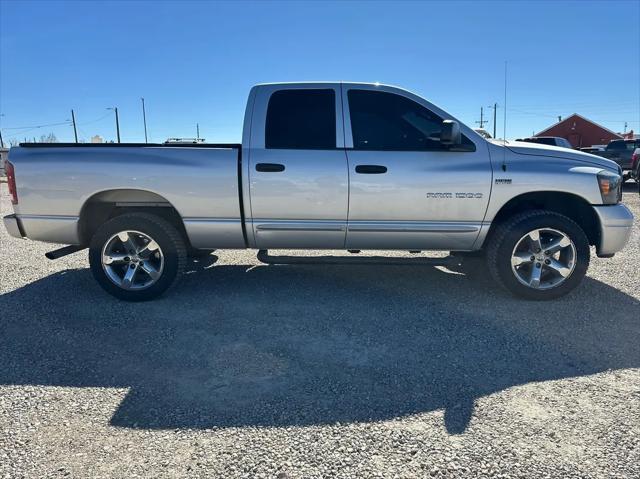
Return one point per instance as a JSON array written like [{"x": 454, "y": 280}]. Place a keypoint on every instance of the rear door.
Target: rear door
[
  {"x": 407, "y": 190},
  {"x": 298, "y": 176}
]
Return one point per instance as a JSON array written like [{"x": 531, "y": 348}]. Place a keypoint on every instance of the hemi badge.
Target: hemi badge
[{"x": 503, "y": 181}]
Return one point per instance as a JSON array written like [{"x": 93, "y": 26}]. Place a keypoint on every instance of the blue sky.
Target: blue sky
[{"x": 194, "y": 62}]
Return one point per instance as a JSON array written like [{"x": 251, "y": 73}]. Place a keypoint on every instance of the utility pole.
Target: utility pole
[
  {"x": 144, "y": 119},
  {"x": 1, "y": 142},
  {"x": 625, "y": 127},
  {"x": 115, "y": 108},
  {"x": 482, "y": 121},
  {"x": 117, "y": 125},
  {"x": 73, "y": 119},
  {"x": 495, "y": 111},
  {"x": 197, "y": 131}
]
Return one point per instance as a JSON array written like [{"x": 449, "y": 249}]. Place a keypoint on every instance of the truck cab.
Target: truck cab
[{"x": 360, "y": 166}]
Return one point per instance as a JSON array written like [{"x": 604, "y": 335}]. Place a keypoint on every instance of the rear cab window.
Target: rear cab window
[
  {"x": 302, "y": 119},
  {"x": 617, "y": 145}
]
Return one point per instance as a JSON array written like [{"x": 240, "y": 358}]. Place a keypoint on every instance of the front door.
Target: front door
[
  {"x": 298, "y": 177},
  {"x": 407, "y": 190}
]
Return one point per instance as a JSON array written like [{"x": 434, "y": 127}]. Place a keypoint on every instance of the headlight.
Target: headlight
[{"x": 610, "y": 187}]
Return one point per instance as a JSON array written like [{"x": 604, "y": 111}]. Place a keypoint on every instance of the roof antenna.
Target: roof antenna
[{"x": 504, "y": 122}]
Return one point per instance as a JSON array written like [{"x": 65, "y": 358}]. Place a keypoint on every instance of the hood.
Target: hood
[{"x": 536, "y": 149}]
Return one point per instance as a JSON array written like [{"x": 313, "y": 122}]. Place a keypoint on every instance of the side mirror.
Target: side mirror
[{"x": 450, "y": 133}]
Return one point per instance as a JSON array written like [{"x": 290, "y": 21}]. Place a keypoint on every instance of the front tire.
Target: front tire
[
  {"x": 538, "y": 255},
  {"x": 136, "y": 256}
]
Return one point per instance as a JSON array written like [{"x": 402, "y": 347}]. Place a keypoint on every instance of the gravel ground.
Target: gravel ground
[{"x": 246, "y": 370}]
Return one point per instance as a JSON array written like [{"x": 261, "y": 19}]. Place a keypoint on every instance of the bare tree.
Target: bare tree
[{"x": 50, "y": 138}]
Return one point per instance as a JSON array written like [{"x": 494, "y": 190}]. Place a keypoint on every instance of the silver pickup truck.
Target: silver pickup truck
[{"x": 344, "y": 166}]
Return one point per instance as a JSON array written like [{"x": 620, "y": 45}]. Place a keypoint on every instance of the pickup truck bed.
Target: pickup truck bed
[{"x": 201, "y": 181}]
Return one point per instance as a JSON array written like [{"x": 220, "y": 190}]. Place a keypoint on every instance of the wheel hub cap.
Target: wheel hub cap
[
  {"x": 132, "y": 260},
  {"x": 543, "y": 258}
]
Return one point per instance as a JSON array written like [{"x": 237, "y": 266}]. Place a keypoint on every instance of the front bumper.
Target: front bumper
[
  {"x": 13, "y": 226},
  {"x": 616, "y": 222}
]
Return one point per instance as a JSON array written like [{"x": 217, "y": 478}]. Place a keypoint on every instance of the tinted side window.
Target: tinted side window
[
  {"x": 616, "y": 145},
  {"x": 301, "y": 119},
  {"x": 385, "y": 121}
]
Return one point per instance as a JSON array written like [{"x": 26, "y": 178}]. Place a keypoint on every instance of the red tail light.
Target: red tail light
[
  {"x": 11, "y": 181},
  {"x": 634, "y": 160}
]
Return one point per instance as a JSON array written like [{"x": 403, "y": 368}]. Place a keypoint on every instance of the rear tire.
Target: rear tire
[
  {"x": 526, "y": 267},
  {"x": 137, "y": 256}
]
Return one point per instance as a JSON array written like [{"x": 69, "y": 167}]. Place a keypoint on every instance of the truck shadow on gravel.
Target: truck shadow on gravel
[{"x": 266, "y": 346}]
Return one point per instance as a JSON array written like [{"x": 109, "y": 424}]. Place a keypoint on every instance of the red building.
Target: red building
[{"x": 580, "y": 132}]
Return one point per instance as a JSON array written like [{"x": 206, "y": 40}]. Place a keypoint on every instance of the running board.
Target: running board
[
  {"x": 59, "y": 253},
  {"x": 265, "y": 257}
]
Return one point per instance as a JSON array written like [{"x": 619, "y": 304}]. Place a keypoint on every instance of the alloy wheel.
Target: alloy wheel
[
  {"x": 543, "y": 258},
  {"x": 132, "y": 260}
]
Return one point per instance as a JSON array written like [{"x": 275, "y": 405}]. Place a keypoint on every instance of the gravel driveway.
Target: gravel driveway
[{"x": 246, "y": 370}]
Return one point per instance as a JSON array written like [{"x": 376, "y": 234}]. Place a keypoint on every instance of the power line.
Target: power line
[
  {"x": 83, "y": 133},
  {"x": 603, "y": 120},
  {"x": 22, "y": 132},
  {"x": 96, "y": 120},
  {"x": 33, "y": 127},
  {"x": 596, "y": 118},
  {"x": 19, "y": 131},
  {"x": 608, "y": 104},
  {"x": 532, "y": 113}
]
